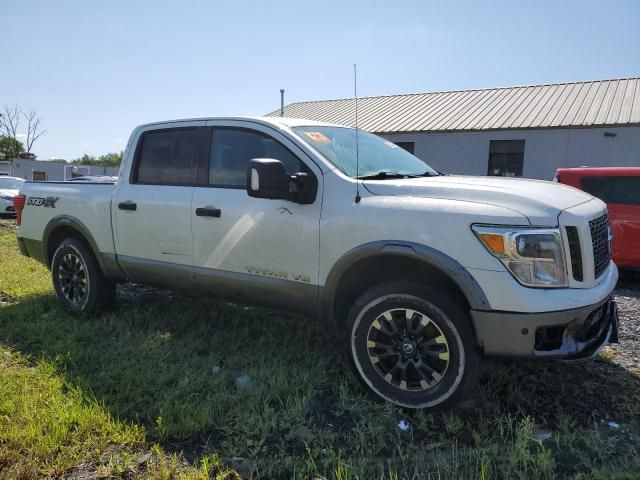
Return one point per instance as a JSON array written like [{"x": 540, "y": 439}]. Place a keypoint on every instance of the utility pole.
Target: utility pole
[{"x": 282, "y": 102}]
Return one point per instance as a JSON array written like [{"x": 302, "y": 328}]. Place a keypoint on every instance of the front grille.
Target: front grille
[
  {"x": 576, "y": 254},
  {"x": 600, "y": 240}
]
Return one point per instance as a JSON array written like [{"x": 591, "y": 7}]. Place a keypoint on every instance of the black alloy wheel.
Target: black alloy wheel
[
  {"x": 77, "y": 278},
  {"x": 408, "y": 349},
  {"x": 72, "y": 275},
  {"x": 413, "y": 346}
]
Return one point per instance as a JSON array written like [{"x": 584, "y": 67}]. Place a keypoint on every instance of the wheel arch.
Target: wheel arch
[
  {"x": 65, "y": 226},
  {"x": 396, "y": 260}
]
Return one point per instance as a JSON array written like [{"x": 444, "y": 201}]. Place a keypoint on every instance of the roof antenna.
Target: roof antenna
[{"x": 355, "y": 97}]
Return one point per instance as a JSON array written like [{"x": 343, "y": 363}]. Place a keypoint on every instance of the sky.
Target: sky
[{"x": 95, "y": 70}]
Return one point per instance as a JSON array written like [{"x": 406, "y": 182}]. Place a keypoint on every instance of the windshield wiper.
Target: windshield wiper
[{"x": 385, "y": 174}]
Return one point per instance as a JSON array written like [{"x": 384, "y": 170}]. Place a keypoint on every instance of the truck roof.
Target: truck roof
[
  {"x": 277, "y": 121},
  {"x": 599, "y": 171}
]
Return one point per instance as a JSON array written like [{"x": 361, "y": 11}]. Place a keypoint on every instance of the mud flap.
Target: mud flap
[{"x": 613, "y": 314}]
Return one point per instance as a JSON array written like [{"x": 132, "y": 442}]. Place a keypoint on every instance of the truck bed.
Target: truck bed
[{"x": 49, "y": 203}]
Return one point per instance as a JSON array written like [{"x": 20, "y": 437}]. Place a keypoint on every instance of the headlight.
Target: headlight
[
  {"x": 7, "y": 198},
  {"x": 534, "y": 256}
]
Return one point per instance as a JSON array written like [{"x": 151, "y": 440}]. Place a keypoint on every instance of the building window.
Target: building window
[
  {"x": 408, "y": 146},
  {"x": 506, "y": 158},
  {"x": 38, "y": 176}
]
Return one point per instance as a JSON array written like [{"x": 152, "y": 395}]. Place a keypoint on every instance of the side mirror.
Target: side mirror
[{"x": 268, "y": 178}]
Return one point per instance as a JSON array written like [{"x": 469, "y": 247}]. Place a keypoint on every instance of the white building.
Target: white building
[
  {"x": 41, "y": 170},
  {"x": 516, "y": 131}
]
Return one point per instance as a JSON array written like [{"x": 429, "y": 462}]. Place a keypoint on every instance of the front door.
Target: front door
[
  {"x": 152, "y": 208},
  {"x": 252, "y": 249}
]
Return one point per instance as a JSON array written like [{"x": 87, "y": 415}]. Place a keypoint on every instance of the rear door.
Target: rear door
[
  {"x": 622, "y": 196},
  {"x": 152, "y": 207}
]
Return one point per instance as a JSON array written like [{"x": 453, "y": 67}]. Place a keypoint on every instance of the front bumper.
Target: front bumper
[{"x": 568, "y": 334}]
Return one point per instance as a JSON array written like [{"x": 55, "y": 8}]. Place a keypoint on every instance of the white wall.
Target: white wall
[
  {"x": 544, "y": 150},
  {"x": 55, "y": 171}
]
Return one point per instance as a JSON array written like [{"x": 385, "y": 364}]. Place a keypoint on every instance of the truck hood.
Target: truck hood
[{"x": 540, "y": 201}]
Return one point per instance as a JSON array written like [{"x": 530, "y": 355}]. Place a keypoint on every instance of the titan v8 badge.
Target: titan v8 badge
[
  {"x": 277, "y": 273},
  {"x": 43, "y": 202}
]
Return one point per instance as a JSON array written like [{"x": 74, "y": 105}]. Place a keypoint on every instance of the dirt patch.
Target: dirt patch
[
  {"x": 6, "y": 298},
  {"x": 7, "y": 224},
  {"x": 323, "y": 412},
  {"x": 138, "y": 293}
]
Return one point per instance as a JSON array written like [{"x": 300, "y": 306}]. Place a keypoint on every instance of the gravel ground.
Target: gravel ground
[{"x": 627, "y": 352}]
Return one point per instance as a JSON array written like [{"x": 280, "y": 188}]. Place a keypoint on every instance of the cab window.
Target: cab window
[
  {"x": 620, "y": 190},
  {"x": 231, "y": 150},
  {"x": 169, "y": 157}
]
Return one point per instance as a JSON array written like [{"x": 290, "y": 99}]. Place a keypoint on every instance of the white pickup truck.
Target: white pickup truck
[{"x": 426, "y": 272}]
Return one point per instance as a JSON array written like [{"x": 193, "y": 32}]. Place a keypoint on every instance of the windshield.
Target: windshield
[
  {"x": 10, "y": 183},
  {"x": 378, "y": 157}
]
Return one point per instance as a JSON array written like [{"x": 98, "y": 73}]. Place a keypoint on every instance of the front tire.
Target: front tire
[
  {"x": 412, "y": 346},
  {"x": 79, "y": 284}
]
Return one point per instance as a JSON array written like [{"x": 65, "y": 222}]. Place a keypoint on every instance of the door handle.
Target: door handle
[
  {"x": 208, "y": 212},
  {"x": 128, "y": 205}
]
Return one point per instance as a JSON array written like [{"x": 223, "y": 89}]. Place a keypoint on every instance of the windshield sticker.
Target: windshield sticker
[{"x": 317, "y": 137}]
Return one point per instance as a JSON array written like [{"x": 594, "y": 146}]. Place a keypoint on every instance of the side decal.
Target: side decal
[{"x": 43, "y": 202}]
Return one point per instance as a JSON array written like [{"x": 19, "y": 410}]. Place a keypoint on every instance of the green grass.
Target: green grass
[{"x": 131, "y": 394}]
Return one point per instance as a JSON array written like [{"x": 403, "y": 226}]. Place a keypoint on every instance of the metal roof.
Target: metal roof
[{"x": 581, "y": 104}]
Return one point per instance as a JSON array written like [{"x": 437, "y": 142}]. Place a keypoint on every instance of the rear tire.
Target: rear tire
[
  {"x": 78, "y": 281},
  {"x": 412, "y": 346}
]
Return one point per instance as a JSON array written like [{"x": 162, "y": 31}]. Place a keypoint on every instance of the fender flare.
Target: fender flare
[
  {"x": 107, "y": 262},
  {"x": 430, "y": 256}
]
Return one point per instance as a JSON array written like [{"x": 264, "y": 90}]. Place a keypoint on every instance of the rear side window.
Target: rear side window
[
  {"x": 622, "y": 190},
  {"x": 169, "y": 157},
  {"x": 231, "y": 150}
]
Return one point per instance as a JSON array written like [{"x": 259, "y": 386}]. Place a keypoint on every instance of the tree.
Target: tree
[
  {"x": 86, "y": 160},
  {"x": 111, "y": 159},
  {"x": 9, "y": 147},
  {"x": 34, "y": 131},
  {"x": 106, "y": 160},
  {"x": 10, "y": 125}
]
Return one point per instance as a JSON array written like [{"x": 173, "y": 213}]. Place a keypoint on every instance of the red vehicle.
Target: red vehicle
[{"x": 619, "y": 188}]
